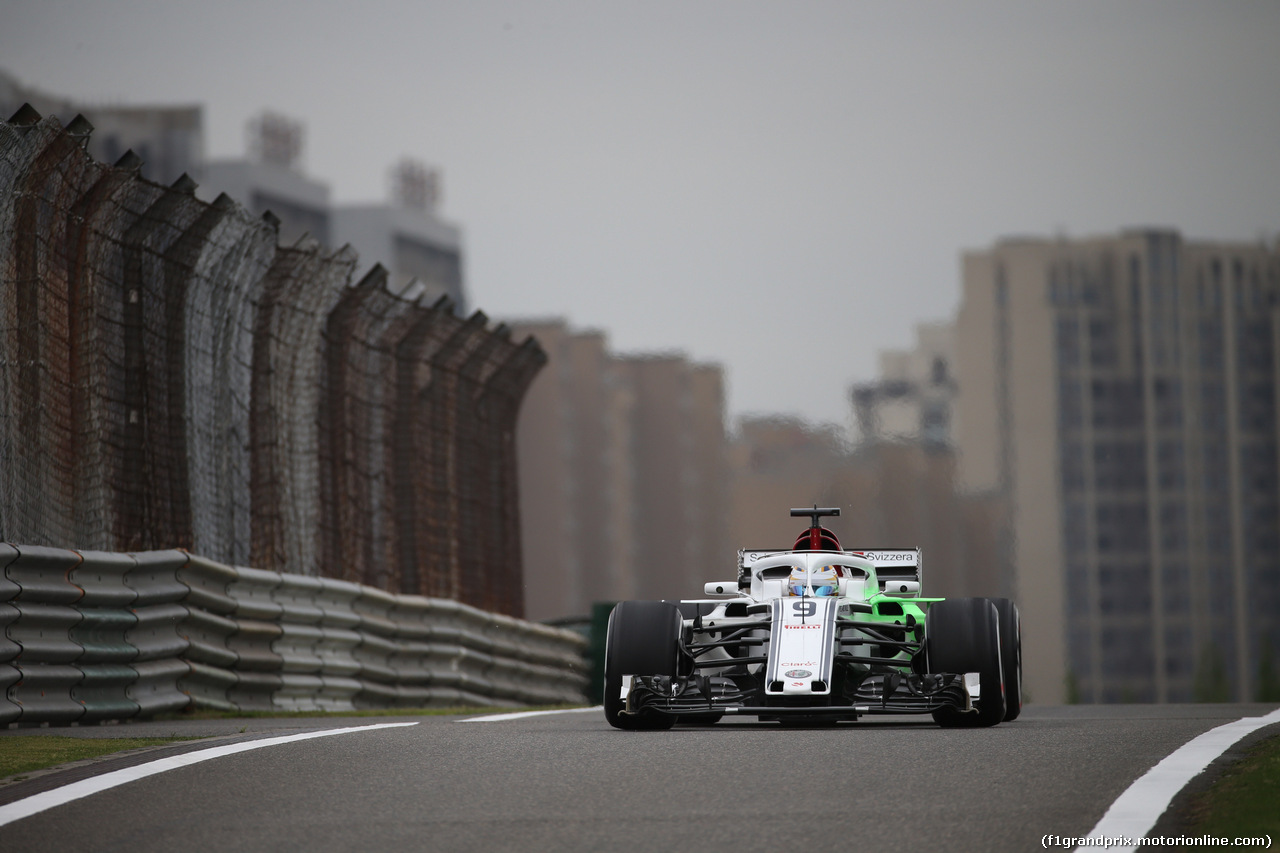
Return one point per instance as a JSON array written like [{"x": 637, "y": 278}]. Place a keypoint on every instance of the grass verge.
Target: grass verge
[
  {"x": 21, "y": 754},
  {"x": 1243, "y": 801}
]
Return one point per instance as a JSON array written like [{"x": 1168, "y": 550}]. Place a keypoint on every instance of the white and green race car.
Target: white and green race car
[{"x": 814, "y": 634}]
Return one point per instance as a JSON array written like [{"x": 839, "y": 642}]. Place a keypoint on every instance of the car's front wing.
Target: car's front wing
[{"x": 710, "y": 697}]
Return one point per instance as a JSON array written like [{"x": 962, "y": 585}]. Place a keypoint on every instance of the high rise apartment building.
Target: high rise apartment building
[
  {"x": 169, "y": 139},
  {"x": 913, "y": 397},
  {"x": 406, "y": 235},
  {"x": 679, "y": 454},
  {"x": 413, "y": 244},
  {"x": 622, "y": 475},
  {"x": 1121, "y": 393},
  {"x": 271, "y": 181},
  {"x": 573, "y": 445}
]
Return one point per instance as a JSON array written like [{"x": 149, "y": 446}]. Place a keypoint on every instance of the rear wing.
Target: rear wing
[{"x": 892, "y": 564}]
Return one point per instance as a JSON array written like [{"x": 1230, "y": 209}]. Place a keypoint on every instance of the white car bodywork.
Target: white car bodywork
[
  {"x": 765, "y": 645},
  {"x": 800, "y": 644}
]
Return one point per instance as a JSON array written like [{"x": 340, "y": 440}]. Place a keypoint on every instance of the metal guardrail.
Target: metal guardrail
[{"x": 91, "y": 636}]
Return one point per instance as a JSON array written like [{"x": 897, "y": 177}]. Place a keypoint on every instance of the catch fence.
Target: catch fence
[{"x": 172, "y": 377}]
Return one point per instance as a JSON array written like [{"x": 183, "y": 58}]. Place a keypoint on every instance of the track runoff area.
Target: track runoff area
[
  {"x": 45, "y": 800},
  {"x": 1122, "y": 828},
  {"x": 1135, "y": 812}
]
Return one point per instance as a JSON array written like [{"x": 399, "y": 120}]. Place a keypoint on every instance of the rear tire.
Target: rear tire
[
  {"x": 1010, "y": 656},
  {"x": 643, "y": 639},
  {"x": 963, "y": 635}
]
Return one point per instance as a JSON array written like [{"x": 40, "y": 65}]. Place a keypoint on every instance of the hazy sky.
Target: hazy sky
[{"x": 783, "y": 188}]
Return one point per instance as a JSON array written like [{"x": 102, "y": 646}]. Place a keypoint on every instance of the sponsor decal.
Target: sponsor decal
[
  {"x": 799, "y": 663},
  {"x": 802, "y": 627},
  {"x": 907, "y": 557},
  {"x": 798, "y": 673}
]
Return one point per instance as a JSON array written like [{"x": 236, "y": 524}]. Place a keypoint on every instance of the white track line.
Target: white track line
[
  {"x": 518, "y": 715},
  {"x": 37, "y": 803},
  {"x": 1136, "y": 810}
]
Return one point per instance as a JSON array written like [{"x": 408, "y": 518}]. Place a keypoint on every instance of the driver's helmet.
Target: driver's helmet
[{"x": 820, "y": 580}]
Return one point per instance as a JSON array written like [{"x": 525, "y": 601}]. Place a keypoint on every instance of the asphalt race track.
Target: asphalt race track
[{"x": 569, "y": 782}]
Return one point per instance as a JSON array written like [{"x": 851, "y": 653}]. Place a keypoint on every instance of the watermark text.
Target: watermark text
[{"x": 1109, "y": 842}]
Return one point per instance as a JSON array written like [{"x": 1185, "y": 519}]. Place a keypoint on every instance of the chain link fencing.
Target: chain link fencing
[{"x": 172, "y": 377}]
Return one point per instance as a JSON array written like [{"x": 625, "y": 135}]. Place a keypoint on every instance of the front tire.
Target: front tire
[
  {"x": 643, "y": 638},
  {"x": 1010, "y": 656},
  {"x": 963, "y": 635}
]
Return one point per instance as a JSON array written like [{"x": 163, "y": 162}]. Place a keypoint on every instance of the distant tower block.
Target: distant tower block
[
  {"x": 276, "y": 139},
  {"x": 415, "y": 186}
]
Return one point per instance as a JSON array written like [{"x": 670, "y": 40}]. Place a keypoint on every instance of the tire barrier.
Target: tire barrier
[{"x": 91, "y": 636}]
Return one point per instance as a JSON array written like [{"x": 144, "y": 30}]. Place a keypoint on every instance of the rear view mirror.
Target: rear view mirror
[{"x": 906, "y": 589}]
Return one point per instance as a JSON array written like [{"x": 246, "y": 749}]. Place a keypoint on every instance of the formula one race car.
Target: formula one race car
[{"x": 814, "y": 634}]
